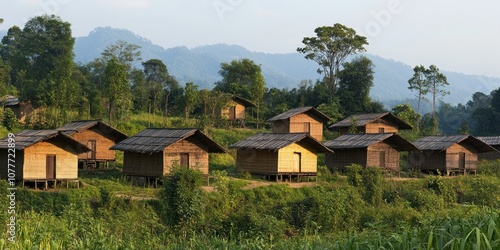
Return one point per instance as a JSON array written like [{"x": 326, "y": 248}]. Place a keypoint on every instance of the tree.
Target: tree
[
  {"x": 125, "y": 53},
  {"x": 495, "y": 100},
  {"x": 356, "y": 80},
  {"x": 437, "y": 81},
  {"x": 190, "y": 98},
  {"x": 42, "y": 53},
  {"x": 418, "y": 82},
  {"x": 330, "y": 48},
  {"x": 243, "y": 78},
  {"x": 118, "y": 92},
  {"x": 156, "y": 74}
]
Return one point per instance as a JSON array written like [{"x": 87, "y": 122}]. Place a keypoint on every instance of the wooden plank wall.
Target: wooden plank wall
[
  {"x": 257, "y": 161},
  {"x": 428, "y": 160},
  {"x": 309, "y": 159},
  {"x": 239, "y": 111},
  {"x": 138, "y": 164},
  {"x": 373, "y": 127},
  {"x": 391, "y": 156},
  {"x": 315, "y": 126},
  {"x": 198, "y": 155},
  {"x": 19, "y": 161},
  {"x": 345, "y": 157},
  {"x": 103, "y": 143},
  {"x": 490, "y": 156},
  {"x": 35, "y": 160},
  {"x": 452, "y": 156}
]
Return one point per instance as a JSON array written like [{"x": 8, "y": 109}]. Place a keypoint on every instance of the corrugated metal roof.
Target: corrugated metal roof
[
  {"x": 351, "y": 141},
  {"x": 155, "y": 140},
  {"x": 78, "y": 126},
  {"x": 10, "y": 100},
  {"x": 273, "y": 141},
  {"x": 243, "y": 101},
  {"x": 363, "y": 119},
  {"x": 27, "y": 138},
  {"x": 490, "y": 140},
  {"x": 296, "y": 111},
  {"x": 444, "y": 142}
]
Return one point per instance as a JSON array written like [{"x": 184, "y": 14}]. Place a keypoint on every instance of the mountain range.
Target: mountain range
[{"x": 201, "y": 65}]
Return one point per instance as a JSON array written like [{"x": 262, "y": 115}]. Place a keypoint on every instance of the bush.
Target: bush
[
  {"x": 354, "y": 174},
  {"x": 489, "y": 168},
  {"x": 372, "y": 181}
]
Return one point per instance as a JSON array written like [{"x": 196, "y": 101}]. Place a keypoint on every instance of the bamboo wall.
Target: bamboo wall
[
  {"x": 286, "y": 164},
  {"x": 257, "y": 161},
  {"x": 375, "y": 126},
  {"x": 148, "y": 165},
  {"x": 35, "y": 161},
  {"x": 239, "y": 111},
  {"x": 19, "y": 161},
  {"x": 103, "y": 143},
  {"x": 198, "y": 155},
  {"x": 452, "y": 157},
  {"x": 428, "y": 160},
  {"x": 391, "y": 156},
  {"x": 315, "y": 126},
  {"x": 345, "y": 157}
]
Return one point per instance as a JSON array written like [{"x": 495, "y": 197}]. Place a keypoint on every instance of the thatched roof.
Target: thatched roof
[
  {"x": 79, "y": 126},
  {"x": 153, "y": 140},
  {"x": 274, "y": 142},
  {"x": 363, "y": 119},
  {"x": 439, "y": 143},
  {"x": 490, "y": 140},
  {"x": 28, "y": 138},
  {"x": 293, "y": 112},
  {"x": 243, "y": 101},
  {"x": 352, "y": 141}
]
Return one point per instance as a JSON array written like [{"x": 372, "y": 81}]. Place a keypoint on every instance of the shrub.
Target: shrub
[
  {"x": 354, "y": 174},
  {"x": 372, "y": 181}
]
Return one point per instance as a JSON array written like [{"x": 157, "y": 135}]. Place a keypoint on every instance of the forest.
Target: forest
[{"x": 355, "y": 209}]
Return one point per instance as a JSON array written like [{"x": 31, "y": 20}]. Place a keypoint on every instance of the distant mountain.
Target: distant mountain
[{"x": 201, "y": 65}]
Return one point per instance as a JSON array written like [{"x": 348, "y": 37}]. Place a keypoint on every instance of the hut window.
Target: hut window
[
  {"x": 381, "y": 130},
  {"x": 184, "y": 160}
]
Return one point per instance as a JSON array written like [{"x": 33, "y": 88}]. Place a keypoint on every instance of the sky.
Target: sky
[{"x": 455, "y": 35}]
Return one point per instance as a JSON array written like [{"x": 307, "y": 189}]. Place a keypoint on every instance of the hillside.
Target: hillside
[{"x": 201, "y": 65}]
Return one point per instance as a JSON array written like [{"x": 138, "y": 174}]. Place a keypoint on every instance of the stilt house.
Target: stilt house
[
  {"x": 300, "y": 120},
  {"x": 367, "y": 150},
  {"x": 235, "y": 111},
  {"x": 448, "y": 154},
  {"x": 99, "y": 137},
  {"x": 376, "y": 123},
  {"x": 279, "y": 156},
  {"x": 153, "y": 152},
  {"x": 493, "y": 141},
  {"x": 41, "y": 156}
]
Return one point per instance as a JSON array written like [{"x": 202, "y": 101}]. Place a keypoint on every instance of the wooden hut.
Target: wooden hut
[
  {"x": 300, "y": 120},
  {"x": 99, "y": 137},
  {"x": 448, "y": 154},
  {"x": 279, "y": 156},
  {"x": 153, "y": 152},
  {"x": 376, "y": 123},
  {"x": 235, "y": 111},
  {"x": 493, "y": 141},
  {"x": 367, "y": 150},
  {"x": 41, "y": 156},
  {"x": 20, "y": 109}
]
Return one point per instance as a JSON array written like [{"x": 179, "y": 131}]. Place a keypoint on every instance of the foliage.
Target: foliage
[
  {"x": 353, "y": 173},
  {"x": 330, "y": 48},
  {"x": 9, "y": 119},
  {"x": 355, "y": 82},
  {"x": 181, "y": 199},
  {"x": 372, "y": 181}
]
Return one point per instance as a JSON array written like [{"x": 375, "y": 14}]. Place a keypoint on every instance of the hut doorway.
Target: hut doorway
[
  {"x": 92, "y": 145},
  {"x": 50, "y": 166},
  {"x": 381, "y": 159},
  {"x": 461, "y": 160},
  {"x": 297, "y": 159},
  {"x": 184, "y": 160},
  {"x": 232, "y": 113},
  {"x": 307, "y": 127}
]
